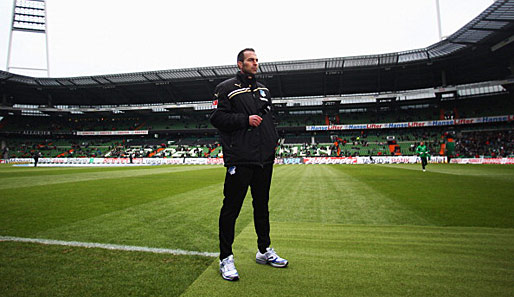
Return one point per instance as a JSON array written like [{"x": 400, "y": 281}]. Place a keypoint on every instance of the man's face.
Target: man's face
[{"x": 250, "y": 64}]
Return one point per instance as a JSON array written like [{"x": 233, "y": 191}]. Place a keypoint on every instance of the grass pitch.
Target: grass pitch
[{"x": 347, "y": 230}]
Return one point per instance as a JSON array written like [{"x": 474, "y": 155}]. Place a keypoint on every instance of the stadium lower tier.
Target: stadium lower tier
[{"x": 484, "y": 140}]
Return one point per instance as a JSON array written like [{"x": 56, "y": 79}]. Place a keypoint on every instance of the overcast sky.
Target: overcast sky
[{"x": 120, "y": 36}]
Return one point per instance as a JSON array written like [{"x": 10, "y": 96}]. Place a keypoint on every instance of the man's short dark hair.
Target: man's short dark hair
[{"x": 241, "y": 55}]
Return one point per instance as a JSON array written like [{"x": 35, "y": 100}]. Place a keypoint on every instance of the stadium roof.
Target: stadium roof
[{"x": 482, "y": 50}]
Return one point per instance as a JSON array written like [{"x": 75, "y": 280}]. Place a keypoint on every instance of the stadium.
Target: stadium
[{"x": 126, "y": 194}]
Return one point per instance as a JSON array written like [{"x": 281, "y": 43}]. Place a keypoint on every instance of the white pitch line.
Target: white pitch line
[{"x": 108, "y": 246}]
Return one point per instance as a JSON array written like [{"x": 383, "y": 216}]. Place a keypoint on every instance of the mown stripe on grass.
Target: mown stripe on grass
[
  {"x": 42, "y": 180},
  {"x": 28, "y": 269},
  {"x": 187, "y": 220},
  {"x": 445, "y": 199},
  {"x": 489, "y": 171},
  {"x": 26, "y": 211},
  {"x": 330, "y": 194},
  {"x": 118, "y": 247},
  {"x": 349, "y": 260}
]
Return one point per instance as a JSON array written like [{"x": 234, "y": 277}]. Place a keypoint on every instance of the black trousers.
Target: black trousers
[
  {"x": 424, "y": 162},
  {"x": 237, "y": 180}
]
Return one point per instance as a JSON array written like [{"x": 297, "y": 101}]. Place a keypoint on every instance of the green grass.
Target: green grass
[
  {"x": 37, "y": 270},
  {"x": 348, "y": 230},
  {"x": 360, "y": 260}
]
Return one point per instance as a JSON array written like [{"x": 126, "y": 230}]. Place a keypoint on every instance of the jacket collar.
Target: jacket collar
[{"x": 246, "y": 80}]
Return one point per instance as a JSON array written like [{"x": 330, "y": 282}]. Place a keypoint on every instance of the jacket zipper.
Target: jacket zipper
[{"x": 255, "y": 99}]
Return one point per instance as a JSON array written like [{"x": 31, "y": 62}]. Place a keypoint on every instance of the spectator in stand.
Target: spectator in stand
[{"x": 485, "y": 144}]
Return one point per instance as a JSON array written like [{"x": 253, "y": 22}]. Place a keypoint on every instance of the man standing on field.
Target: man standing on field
[
  {"x": 248, "y": 139},
  {"x": 423, "y": 154}
]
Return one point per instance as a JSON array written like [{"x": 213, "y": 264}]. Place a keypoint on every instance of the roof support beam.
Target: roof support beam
[{"x": 502, "y": 43}]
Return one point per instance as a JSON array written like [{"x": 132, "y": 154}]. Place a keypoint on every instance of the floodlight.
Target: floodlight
[{"x": 29, "y": 16}]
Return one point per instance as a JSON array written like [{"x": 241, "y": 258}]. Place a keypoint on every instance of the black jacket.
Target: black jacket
[{"x": 238, "y": 98}]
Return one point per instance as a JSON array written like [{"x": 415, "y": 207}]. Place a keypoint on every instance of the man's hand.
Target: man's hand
[{"x": 254, "y": 120}]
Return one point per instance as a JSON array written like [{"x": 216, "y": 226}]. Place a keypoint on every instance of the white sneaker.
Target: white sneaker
[
  {"x": 228, "y": 269},
  {"x": 271, "y": 258}
]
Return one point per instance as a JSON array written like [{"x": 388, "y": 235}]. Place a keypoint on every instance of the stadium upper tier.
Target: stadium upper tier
[
  {"x": 483, "y": 50},
  {"x": 293, "y": 118}
]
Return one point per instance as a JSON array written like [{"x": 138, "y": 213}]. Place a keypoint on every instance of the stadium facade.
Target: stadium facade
[{"x": 373, "y": 105}]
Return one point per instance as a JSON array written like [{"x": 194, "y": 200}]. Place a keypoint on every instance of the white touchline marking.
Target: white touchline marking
[{"x": 108, "y": 246}]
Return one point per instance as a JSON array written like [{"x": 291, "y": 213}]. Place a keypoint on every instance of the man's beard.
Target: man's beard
[{"x": 249, "y": 74}]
